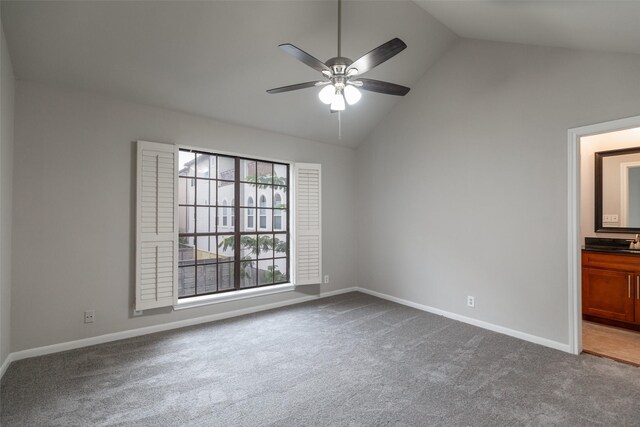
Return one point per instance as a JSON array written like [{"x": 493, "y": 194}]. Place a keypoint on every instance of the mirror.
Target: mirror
[{"x": 617, "y": 191}]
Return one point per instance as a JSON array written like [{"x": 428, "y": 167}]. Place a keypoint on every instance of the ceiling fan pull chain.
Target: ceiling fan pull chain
[{"x": 339, "y": 125}]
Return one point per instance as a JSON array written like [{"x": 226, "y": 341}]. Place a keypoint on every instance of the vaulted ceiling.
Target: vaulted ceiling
[{"x": 217, "y": 58}]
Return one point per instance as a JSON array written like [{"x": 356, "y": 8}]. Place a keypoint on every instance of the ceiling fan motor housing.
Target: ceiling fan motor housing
[{"x": 338, "y": 64}]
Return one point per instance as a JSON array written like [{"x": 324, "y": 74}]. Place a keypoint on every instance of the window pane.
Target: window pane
[
  {"x": 265, "y": 246},
  {"x": 247, "y": 219},
  {"x": 265, "y": 272},
  {"x": 280, "y": 174},
  {"x": 247, "y": 170},
  {"x": 205, "y": 220},
  {"x": 247, "y": 195},
  {"x": 206, "y": 278},
  {"x": 226, "y": 191},
  {"x": 207, "y": 250},
  {"x": 264, "y": 219},
  {"x": 226, "y": 248},
  {"x": 225, "y": 224},
  {"x": 186, "y": 281},
  {"x": 187, "y": 219},
  {"x": 203, "y": 192},
  {"x": 187, "y": 163},
  {"x": 225, "y": 276},
  {"x": 278, "y": 201},
  {"x": 248, "y": 273},
  {"x": 279, "y": 220},
  {"x": 265, "y": 195},
  {"x": 186, "y": 191},
  {"x": 265, "y": 173},
  {"x": 224, "y": 213},
  {"x": 186, "y": 251},
  {"x": 249, "y": 247},
  {"x": 226, "y": 168},
  {"x": 204, "y": 169},
  {"x": 280, "y": 270},
  {"x": 280, "y": 245}
]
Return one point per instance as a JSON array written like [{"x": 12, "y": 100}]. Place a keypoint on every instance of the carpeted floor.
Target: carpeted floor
[{"x": 349, "y": 360}]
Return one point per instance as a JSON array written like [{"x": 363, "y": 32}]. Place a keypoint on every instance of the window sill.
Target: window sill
[{"x": 232, "y": 296}]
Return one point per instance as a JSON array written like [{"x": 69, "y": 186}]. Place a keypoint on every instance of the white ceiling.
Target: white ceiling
[
  {"x": 608, "y": 25},
  {"x": 216, "y": 59}
]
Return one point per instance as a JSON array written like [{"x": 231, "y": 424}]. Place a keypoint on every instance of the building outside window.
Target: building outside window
[{"x": 230, "y": 254}]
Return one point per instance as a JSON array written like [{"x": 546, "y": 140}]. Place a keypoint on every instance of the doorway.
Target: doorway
[{"x": 615, "y": 339}]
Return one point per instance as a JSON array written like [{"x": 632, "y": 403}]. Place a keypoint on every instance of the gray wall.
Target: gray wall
[
  {"x": 7, "y": 89},
  {"x": 462, "y": 189},
  {"x": 74, "y": 209}
]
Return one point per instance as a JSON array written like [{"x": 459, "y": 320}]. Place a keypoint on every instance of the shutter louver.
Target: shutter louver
[
  {"x": 308, "y": 224},
  {"x": 156, "y": 251}
]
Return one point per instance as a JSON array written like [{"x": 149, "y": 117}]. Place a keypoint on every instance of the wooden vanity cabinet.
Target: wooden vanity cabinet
[{"x": 611, "y": 287}]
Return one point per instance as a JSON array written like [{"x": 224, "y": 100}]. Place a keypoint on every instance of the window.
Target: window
[
  {"x": 277, "y": 213},
  {"x": 225, "y": 214},
  {"x": 222, "y": 255},
  {"x": 263, "y": 212},
  {"x": 182, "y": 251},
  {"x": 250, "y": 212}
]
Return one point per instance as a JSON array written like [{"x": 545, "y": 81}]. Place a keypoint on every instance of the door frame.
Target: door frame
[{"x": 573, "y": 235}]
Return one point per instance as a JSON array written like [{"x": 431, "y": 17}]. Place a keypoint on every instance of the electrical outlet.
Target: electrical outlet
[
  {"x": 326, "y": 278},
  {"x": 89, "y": 316},
  {"x": 471, "y": 301},
  {"x": 614, "y": 218}
]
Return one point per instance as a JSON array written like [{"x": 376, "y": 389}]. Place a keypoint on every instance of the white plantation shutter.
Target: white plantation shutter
[
  {"x": 308, "y": 224},
  {"x": 156, "y": 245}
]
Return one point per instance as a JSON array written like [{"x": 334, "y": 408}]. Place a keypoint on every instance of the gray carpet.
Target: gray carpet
[{"x": 349, "y": 360}]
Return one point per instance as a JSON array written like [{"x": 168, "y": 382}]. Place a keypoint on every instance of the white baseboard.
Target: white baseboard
[
  {"x": 475, "y": 322},
  {"x": 6, "y": 364},
  {"x": 70, "y": 345},
  {"x": 100, "y": 339}
]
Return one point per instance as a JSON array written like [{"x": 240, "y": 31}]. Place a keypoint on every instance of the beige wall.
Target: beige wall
[
  {"x": 588, "y": 147},
  {"x": 462, "y": 188},
  {"x": 7, "y": 89},
  {"x": 74, "y": 209}
]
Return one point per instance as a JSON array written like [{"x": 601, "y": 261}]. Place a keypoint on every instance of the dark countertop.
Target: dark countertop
[
  {"x": 609, "y": 245},
  {"x": 613, "y": 250}
]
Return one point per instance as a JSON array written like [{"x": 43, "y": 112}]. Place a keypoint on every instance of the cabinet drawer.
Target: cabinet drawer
[{"x": 620, "y": 262}]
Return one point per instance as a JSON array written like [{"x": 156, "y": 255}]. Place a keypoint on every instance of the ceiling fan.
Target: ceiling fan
[{"x": 342, "y": 75}]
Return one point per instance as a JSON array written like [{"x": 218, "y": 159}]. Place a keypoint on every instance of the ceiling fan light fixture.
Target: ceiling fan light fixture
[
  {"x": 352, "y": 94},
  {"x": 327, "y": 94},
  {"x": 338, "y": 103}
]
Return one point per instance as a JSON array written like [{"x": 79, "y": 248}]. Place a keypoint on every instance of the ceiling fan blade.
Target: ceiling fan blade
[
  {"x": 294, "y": 87},
  {"x": 303, "y": 56},
  {"x": 378, "y": 55},
  {"x": 383, "y": 87}
]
